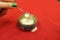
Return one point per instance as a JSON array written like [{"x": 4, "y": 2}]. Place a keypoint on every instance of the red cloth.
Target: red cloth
[{"x": 47, "y": 13}]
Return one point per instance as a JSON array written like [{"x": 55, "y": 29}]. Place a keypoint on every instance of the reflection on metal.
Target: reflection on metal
[{"x": 27, "y": 21}]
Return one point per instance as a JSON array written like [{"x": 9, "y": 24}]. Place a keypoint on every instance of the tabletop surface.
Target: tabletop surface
[{"x": 47, "y": 13}]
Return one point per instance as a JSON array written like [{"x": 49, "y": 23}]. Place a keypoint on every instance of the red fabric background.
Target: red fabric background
[{"x": 47, "y": 13}]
